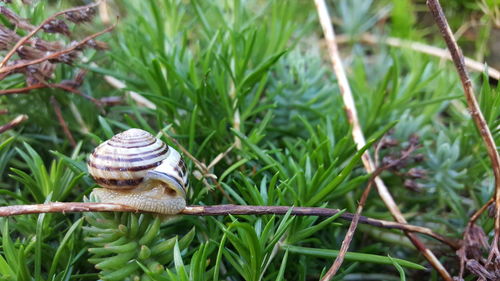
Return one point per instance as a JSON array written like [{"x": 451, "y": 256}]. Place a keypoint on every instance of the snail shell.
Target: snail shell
[{"x": 138, "y": 170}]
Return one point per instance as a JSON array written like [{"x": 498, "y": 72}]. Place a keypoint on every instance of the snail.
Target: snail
[{"x": 136, "y": 169}]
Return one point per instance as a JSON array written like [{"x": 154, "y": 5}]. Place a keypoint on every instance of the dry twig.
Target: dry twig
[
  {"x": 138, "y": 98},
  {"x": 60, "y": 118},
  {"x": 9, "y": 69},
  {"x": 14, "y": 122},
  {"x": 221, "y": 210},
  {"x": 40, "y": 26},
  {"x": 352, "y": 227},
  {"x": 477, "y": 116},
  {"x": 201, "y": 166},
  {"x": 359, "y": 138},
  {"x": 61, "y": 86},
  {"x": 421, "y": 48}
]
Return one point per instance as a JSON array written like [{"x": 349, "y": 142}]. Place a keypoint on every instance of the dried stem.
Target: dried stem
[
  {"x": 475, "y": 111},
  {"x": 221, "y": 210},
  {"x": 350, "y": 232},
  {"x": 478, "y": 213},
  {"x": 16, "y": 20},
  {"x": 60, "y": 118},
  {"x": 352, "y": 227},
  {"x": 8, "y": 69},
  {"x": 14, "y": 122},
  {"x": 61, "y": 86},
  {"x": 40, "y": 26},
  {"x": 421, "y": 48},
  {"x": 359, "y": 138},
  {"x": 24, "y": 90},
  {"x": 138, "y": 98},
  {"x": 200, "y": 166},
  {"x": 236, "y": 116}
]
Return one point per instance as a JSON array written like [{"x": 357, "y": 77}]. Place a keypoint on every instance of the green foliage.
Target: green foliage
[
  {"x": 56, "y": 182},
  {"x": 130, "y": 246},
  {"x": 254, "y": 73}
]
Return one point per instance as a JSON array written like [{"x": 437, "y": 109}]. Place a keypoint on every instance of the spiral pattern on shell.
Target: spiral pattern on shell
[{"x": 123, "y": 161}]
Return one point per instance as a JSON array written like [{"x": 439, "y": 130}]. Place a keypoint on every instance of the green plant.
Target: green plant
[{"x": 251, "y": 78}]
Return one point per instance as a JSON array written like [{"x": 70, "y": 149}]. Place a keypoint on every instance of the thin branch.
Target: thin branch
[
  {"x": 421, "y": 48},
  {"x": 478, "y": 213},
  {"x": 138, "y": 98},
  {"x": 350, "y": 232},
  {"x": 14, "y": 122},
  {"x": 24, "y": 90},
  {"x": 236, "y": 116},
  {"x": 61, "y": 86},
  {"x": 359, "y": 138},
  {"x": 15, "y": 19},
  {"x": 60, "y": 118},
  {"x": 70, "y": 89},
  {"x": 200, "y": 166},
  {"x": 354, "y": 223},
  {"x": 475, "y": 111},
  {"x": 7, "y": 69},
  {"x": 40, "y": 26},
  {"x": 221, "y": 210}
]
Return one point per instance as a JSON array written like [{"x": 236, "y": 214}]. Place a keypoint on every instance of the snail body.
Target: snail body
[{"x": 136, "y": 169}]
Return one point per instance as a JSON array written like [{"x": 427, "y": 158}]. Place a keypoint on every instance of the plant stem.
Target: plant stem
[
  {"x": 222, "y": 210},
  {"x": 7, "y": 69},
  {"x": 475, "y": 111},
  {"x": 359, "y": 139},
  {"x": 40, "y": 26},
  {"x": 62, "y": 122},
  {"x": 14, "y": 122},
  {"x": 371, "y": 39}
]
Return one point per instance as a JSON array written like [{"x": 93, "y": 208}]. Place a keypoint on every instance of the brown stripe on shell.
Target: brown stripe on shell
[
  {"x": 128, "y": 184},
  {"x": 141, "y": 140},
  {"x": 124, "y": 169},
  {"x": 163, "y": 149},
  {"x": 179, "y": 183},
  {"x": 129, "y": 136},
  {"x": 179, "y": 171},
  {"x": 182, "y": 166},
  {"x": 113, "y": 144}
]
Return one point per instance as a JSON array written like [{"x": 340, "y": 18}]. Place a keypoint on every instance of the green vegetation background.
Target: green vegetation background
[{"x": 201, "y": 61}]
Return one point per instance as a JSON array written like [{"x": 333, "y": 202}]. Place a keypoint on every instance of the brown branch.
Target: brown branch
[
  {"x": 474, "y": 109},
  {"x": 201, "y": 167},
  {"x": 70, "y": 89},
  {"x": 24, "y": 90},
  {"x": 61, "y": 86},
  {"x": 350, "y": 232},
  {"x": 40, "y": 26},
  {"x": 221, "y": 210},
  {"x": 14, "y": 122},
  {"x": 60, "y": 118},
  {"x": 138, "y": 98},
  {"x": 8, "y": 69},
  {"x": 15, "y": 19},
  {"x": 359, "y": 138},
  {"x": 371, "y": 39},
  {"x": 354, "y": 223}
]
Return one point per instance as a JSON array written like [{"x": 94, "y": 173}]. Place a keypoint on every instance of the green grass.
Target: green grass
[{"x": 202, "y": 62}]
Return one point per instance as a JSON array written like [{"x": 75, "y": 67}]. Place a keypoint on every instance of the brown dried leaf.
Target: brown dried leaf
[
  {"x": 7, "y": 38},
  {"x": 80, "y": 16},
  {"x": 56, "y": 26}
]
